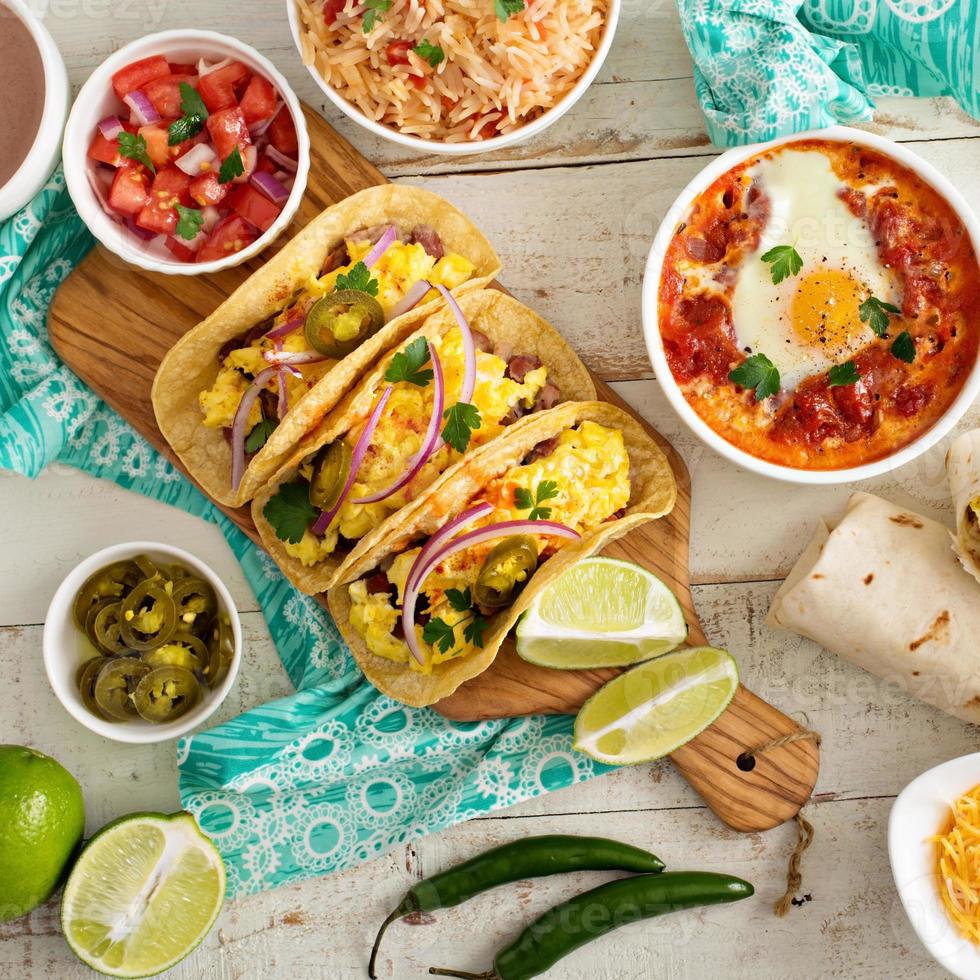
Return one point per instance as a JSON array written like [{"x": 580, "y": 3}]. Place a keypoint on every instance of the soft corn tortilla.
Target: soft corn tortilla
[
  {"x": 192, "y": 364},
  {"x": 652, "y": 495},
  {"x": 503, "y": 319},
  {"x": 963, "y": 470}
]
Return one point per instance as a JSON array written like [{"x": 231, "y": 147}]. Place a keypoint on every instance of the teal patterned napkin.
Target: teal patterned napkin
[
  {"x": 766, "y": 68},
  {"x": 334, "y": 774}
]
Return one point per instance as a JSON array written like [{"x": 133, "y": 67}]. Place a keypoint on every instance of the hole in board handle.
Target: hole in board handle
[{"x": 746, "y": 762}]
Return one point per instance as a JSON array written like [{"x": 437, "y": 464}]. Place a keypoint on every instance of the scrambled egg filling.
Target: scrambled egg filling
[
  {"x": 591, "y": 468},
  {"x": 399, "y": 436},
  {"x": 396, "y": 271}
]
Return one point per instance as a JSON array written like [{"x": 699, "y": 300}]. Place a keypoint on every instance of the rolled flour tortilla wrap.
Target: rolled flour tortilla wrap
[
  {"x": 963, "y": 470},
  {"x": 884, "y": 590}
]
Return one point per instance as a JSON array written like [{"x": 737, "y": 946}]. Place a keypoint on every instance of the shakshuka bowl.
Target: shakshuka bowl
[
  {"x": 96, "y": 100},
  {"x": 678, "y": 212}
]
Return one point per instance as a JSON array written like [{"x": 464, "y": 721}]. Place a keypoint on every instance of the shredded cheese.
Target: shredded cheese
[{"x": 958, "y": 861}]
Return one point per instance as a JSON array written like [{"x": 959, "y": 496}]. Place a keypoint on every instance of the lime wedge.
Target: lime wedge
[
  {"x": 601, "y": 612},
  {"x": 144, "y": 892},
  {"x": 655, "y": 708}
]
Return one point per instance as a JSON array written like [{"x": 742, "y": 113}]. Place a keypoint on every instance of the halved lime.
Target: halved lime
[
  {"x": 657, "y": 707},
  {"x": 601, "y": 612},
  {"x": 144, "y": 892}
]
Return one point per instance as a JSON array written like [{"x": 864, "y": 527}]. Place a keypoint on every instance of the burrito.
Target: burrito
[
  {"x": 963, "y": 470},
  {"x": 883, "y": 589},
  {"x": 485, "y": 362},
  {"x": 429, "y": 605},
  {"x": 238, "y": 391}
]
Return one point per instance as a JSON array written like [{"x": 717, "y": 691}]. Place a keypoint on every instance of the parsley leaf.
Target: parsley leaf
[
  {"x": 194, "y": 113},
  {"x": 406, "y": 365},
  {"x": 358, "y": 278},
  {"x": 460, "y": 601},
  {"x": 259, "y": 435},
  {"x": 290, "y": 512},
  {"x": 460, "y": 418},
  {"x": 189, "y": 221},
  {"x": 904, "y": 347},
  {"x": 439, "y": 633},
  {"x": 875, "y": 313},
  {"x": 375, "y": 9},
  {"x": 473, "y": 631},
  {"x": 504, "y": 8},
  {"x": 843, "y": 374},
  {"x": 757, "y": 372},
  {"x": 231, "y": 167},
  {"x": 431, "y": 53},
  {"x": 783, "y": 261},
  {"x": 547, "y": 490},
  {"x": 133, "y": 145}
]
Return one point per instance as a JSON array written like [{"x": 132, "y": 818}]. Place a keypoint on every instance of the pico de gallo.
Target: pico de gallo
[{"x": 199, "y": 158}]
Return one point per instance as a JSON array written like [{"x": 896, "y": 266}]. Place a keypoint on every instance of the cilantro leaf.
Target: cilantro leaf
[
  {"x": 431, "y": 53},
  {"x": 874, "y": 312},
  {"x": 259, "y": 435},
  {"x": 843, "y": 374},
  {"x": 523, "y": 498},
  {"x": 460, "y": 418},
  {"x": 189, "y": 221},
  {"x": 473, "y": 631},
  {"x": 757, "y": 372},
  {"x": 504, "y": 8},
  {"x": 358, "y": 278},
  {"x": 460, "y": 601},
  {"x": 547, "y": 490},
  {"x": 290, "y": 512},
  {"x": 439, "y": 633},
  {"x": 406, "y": 365},
  {"x": 783, "y": 261},
  {"x": 903, "y": 347},
  {"x": 133, "y": 145},
  {"x": 194, "y": 113},
  {"x": 375, "y": 10},
  {"x": 231, "y": 167}
]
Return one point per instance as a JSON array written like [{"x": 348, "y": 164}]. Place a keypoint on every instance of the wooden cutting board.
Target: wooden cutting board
[{"x": 112, "y": 324}]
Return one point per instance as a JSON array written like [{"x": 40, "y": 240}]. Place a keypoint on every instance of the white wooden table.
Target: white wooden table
[{"x": 572, "y": 215}]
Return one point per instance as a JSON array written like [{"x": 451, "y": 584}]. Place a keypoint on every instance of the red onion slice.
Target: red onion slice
[
  {"x": 381, "y": 246},
  {"x": 418, "y": 460},
  {"x": 204, "y": 68},
  {"x": 111, "y": 127},
  {"x": 469, "y": 348},
  {"x": 283, "y": 406},
  {"x": 266, "y": 184},
  {"x": 211, "y": 216},
  {"x": 419, "y": 571},
  {"x": 197, "y": 159},
  {"x": 101, "y": 191},
  {"x": 357, "y": 457},
  {"x": 284, "y": 329},
  {"x": 280, "y": 159},
  {"x": 141, "y": 108},
  {"x": 442, "y": 536},
  {"x": 411, "y": 299},
  {"x": 241, "y": 420},
  {"x": 292, "y": 357}
]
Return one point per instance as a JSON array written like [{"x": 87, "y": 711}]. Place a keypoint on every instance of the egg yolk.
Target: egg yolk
[{"x": 824, "y": 309}]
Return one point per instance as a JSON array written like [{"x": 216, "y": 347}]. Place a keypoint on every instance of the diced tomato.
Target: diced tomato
[
  {"x": 164, "y": 93},
  {"x": 331, "y": 8},
  {"x": 157, "y": 148},
  {"x": 265, "y": 164},
  {"x": 259, "y": 100},
  {"x": 228, "y": 236},
  {"x": 105, "y": 151},
  {"x": 228, "y": 129},
  {"x": 139, "y": 74},
  {"x": 397, "y": 52},
  {"x": 205, "y": 189},
  {"x": 179, "y": 249},
  {"x": 253, "y": 206},
  {"x": 182, "y": 68},
  {"x": 856, "y": 403},
  {"x": 218, "y": 87},
  {"x": 159, "y": 220},
  {"x": 911, "y": 399},
  {"x": 170, "y": 186},
  {"x": 282, "y": 133},
  {"x": 128, "y": 194}
]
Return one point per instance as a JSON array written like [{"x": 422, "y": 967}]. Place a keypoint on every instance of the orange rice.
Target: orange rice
[{"x": 495, "y": 76}]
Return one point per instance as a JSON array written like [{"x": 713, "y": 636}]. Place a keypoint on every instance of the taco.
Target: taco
[
  {"x": 518, "y": 365},
  {"x": 240, "y": 389},
  {"x": 464, "y": 563}
]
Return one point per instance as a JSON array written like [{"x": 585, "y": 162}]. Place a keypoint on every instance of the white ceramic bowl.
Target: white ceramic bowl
[
  {"x": 651, "y": 327},
  {"x": 96, "y": 100},
  {"x": 44, "y": 152},
  {"x": 65, "y": 648},
  {"x": 921, "y": 810},
  {"x": 520, "y": 135}
]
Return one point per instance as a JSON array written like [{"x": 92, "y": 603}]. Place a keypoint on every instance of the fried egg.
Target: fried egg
[{"x": 808, "y": 322}]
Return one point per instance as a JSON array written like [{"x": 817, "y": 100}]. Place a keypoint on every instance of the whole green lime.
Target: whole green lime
[{"x": 42, "y": 817}]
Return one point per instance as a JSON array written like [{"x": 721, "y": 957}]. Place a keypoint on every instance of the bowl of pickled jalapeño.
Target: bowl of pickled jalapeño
[{"x": 142, "y": 642}]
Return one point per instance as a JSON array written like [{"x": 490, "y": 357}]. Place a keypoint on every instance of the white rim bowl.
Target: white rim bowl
[
  {"x": 654, "y": 342},
  {"x": 97, "y": 99},
  {"x": 520, "y": 135},
  {"x": 64, "y": 647},
  {"x": 919, "y": 812},
  {"x": 46, "y": 148}
]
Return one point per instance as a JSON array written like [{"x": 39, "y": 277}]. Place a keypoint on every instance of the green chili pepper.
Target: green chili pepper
[
  {"x": 532, "y": 857},
  {"x": 578, "y": 921}
]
